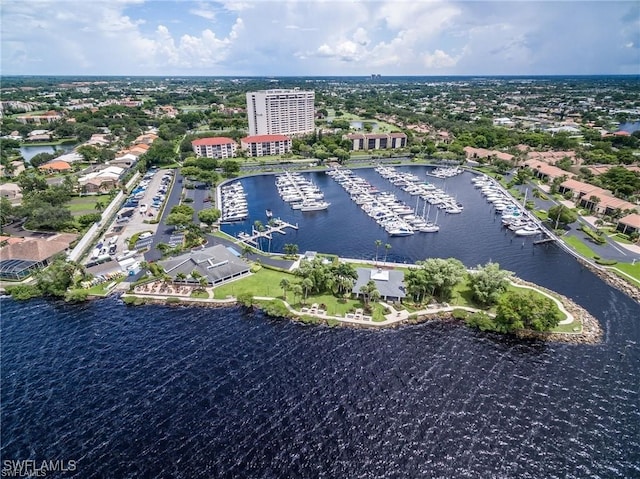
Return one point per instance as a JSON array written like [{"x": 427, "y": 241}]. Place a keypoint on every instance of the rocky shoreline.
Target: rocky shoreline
[{"x": 613, "y": 280}]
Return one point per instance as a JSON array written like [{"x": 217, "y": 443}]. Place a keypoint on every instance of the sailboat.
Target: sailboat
[{"x": 429, "y": 227}]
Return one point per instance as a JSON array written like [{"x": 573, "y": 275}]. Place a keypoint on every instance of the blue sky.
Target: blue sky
[{"x": 319, "y": 37}]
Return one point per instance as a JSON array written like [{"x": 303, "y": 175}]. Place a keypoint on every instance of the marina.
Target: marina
[
  {"x": 300, "y": 193},
  {"x": 234, "y": 202}
]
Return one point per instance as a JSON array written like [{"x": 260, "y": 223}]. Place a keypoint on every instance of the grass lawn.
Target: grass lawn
[
  {"x": 632, "y": 270},
  {"x": 579, "y": 246},
  {"x": 82, "y": 205},
  {"x": 265, "y": 282},
  {"x": 199, "y": 294}
]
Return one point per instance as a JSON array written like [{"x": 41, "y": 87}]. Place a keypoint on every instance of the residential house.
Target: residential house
[
  {"x": 545, "y": 171},
  {"x": 629, "y": 224},
  {"x": 20, "y": 259},
  {"x": 595, "y": 198},
  {"x": 102, "y": 180},
  {"x": 12, "y": 192},
  {"x": 472, "y": 153},
  {"x": 55, "y": 166}
]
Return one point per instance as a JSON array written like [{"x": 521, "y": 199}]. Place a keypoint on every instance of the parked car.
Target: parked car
[{"x": 143, "y": 208}]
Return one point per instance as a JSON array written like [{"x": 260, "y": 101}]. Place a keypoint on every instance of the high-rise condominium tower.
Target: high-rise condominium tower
[{"x": 283, "y": 112}]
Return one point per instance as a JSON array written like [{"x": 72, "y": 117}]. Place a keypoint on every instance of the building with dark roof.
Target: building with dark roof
[
  {"x": 390, "y": 283},
  {"x": 216, "y": 263}
]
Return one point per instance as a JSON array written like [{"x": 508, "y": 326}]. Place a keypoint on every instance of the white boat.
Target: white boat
[
  {"x": 269, "y": 213},
  {"x": 400, "y": 231},
  {"x": 429, "y": 228},
  {"x": 314, "y": 206},
  {"x": 529, "y": 230}
]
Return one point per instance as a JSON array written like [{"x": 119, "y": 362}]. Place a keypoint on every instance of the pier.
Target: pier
[
  {"x": 544, "y": 240},
  {"x": 277, "y": 226}
]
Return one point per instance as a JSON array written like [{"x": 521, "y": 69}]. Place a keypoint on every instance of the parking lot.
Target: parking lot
[{"x": 143, "y": 204}]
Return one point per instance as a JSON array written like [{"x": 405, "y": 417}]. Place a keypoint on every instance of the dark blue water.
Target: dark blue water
[{"x": 186, "y": 392}]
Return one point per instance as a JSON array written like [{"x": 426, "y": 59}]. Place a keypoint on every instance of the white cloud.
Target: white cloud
[
  {"x": 316, "y": 37},
  {"x": 204, "y": 12},
  {"x": 439, "y": 59}
]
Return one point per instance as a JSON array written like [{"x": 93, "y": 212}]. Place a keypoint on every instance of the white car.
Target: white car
[{"x": 143, "y": 208}]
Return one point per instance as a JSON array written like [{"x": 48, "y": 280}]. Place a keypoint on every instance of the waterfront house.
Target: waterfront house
[
  {"x": 215, "y": 263},
  {"x": 20, "y": 259},
  {"x": 390, "y": 283}
]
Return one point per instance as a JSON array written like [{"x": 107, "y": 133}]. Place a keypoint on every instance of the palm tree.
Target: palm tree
[
  {"x": 284, "y": 284},
  {"x": 99, "y": 206},
  {"x": 387, "y": 247},
  {"x": 246, "y": 249},
  {"x": 378, "y": 244},
  {"x": 204, "y": 282},
  {"x": 307, "y": 284},
  {"x": 181, "y": 276}
]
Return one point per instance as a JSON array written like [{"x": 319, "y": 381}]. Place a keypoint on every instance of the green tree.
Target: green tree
[
  {"x": 56, "y": 278},
  {"x": 285, "y": 285},
  {"x": 441, "y": 275},
  {"x": 378, "y": 243},
  {"x": 183, "y": 209},
  {"x": 525, "y": 310},
  {"x": 230, "y": 168},
  {"x": 178, "y": 219},
  {"x": 387, "y": 247},
  {"x": 209, "y": 216},
  {"x": 489, "y": 282},
  {"x": 562, "y": 214}
]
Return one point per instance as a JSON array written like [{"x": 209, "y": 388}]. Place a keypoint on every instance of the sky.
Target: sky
[{"x": 319, "y": 37}]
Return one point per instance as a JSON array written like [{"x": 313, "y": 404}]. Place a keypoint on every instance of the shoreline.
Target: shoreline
[{"x": 590, "y": 330}]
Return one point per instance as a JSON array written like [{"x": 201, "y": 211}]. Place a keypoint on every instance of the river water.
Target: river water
[{"x": 185, "y": 392}]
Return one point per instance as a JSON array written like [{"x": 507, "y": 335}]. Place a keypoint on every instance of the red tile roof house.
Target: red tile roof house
[
  {"x": 629, "y": 224},
  {"x": 55, "y": 166},
  {"x": 215, "y": 147},
  {"x": 476, "y": 153},
  {"x": 544, "y": 171},
  {"x": 605, "y": 202},
  {"x": 263, "y": 145}
]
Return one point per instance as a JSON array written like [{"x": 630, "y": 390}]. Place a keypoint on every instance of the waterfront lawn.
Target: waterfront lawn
[
  {"x": 82, "y": 205},
  {"x": 579, "y": 246},
  {"x": 264, "y": 282},
  {"x": 199, "y": 294},
  {"x": 632, "y": 270}
]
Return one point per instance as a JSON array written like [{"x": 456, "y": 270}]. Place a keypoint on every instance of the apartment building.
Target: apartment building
[
  {"x": 218, "y": 147},
  {"x": 281, "y": 112},
  {"x": 376, "y": 141},
  {"x": 264, "y": 145}
]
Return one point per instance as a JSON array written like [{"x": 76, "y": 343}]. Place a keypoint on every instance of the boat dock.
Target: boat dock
[
  {"x": 545, "y": 240},
  {"x": 277, "y": 226}
]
